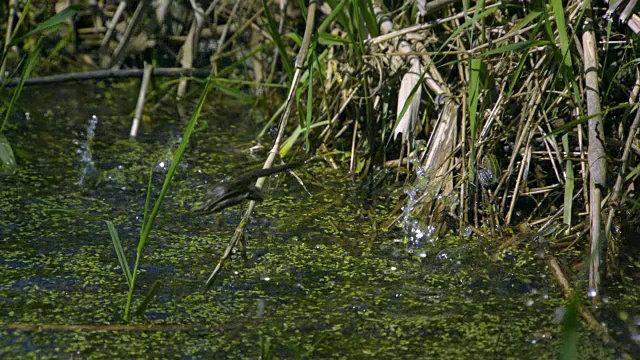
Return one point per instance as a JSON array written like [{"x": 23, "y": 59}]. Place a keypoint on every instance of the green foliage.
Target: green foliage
[
  {"x": 120, "y": 253},
  {"x": 149, "y": 219},
  {"x": 358, "y": 20},
  {"x": 31, "y": 62},
  {"x": 272, "y": 27},
  {"x": 53, "y": 23},
  {"x": 570, "y": 322},
  {"x": 7, "y": 158}
]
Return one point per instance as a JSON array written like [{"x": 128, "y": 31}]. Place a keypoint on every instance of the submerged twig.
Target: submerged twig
[{"x": 107, "y": 74}]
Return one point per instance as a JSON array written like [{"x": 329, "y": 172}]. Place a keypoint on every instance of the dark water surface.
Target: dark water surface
[{"x": 320, "y": 281}]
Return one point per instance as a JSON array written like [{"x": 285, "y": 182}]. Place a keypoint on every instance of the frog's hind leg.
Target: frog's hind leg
[{"x": 253, "y": 193}]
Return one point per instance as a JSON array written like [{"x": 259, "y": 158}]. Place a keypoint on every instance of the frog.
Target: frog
[
  {"x": 489, "y": 171},
  {"x": 234, "y": 190},
  {"x": 488, "y": 176}
]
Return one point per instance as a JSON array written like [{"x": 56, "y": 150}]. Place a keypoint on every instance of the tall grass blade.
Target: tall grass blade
[
  {"x": 7, "y": 159},
  {"x": 368, "y": 15},
  {"x": 529, "y": 18},
  {"x": 147, "y": 202},
  {"x": 275, "y": 35},
  {"x": 474, "y": 93},
  {"x": 51, "y": 23},
  {"x": 117, "y": 245},
  {"x": 291, "y": 140},
  {"x": 569, "y": 349},
  {"x": 569, "y": 183},
  {"x": 115, "y": 238},
  {"x": 5, "y": 53},
  {"x": 147, "y": 299},
  {"x": 336, "y": 13},
  {"x": 515, "y": 47},
  {"x": 524, "y": 57},
  {"x": 272, "y": 120},
  {"x": 309, "y": 115},
  {"x": 566, "y": 70},
  {"x": 558, "y": 13},
  {"x": 165, "y": 188},
  {"x": 633, "y": 173},
  {"x": 328, "y": 39},
  {"x": 32, "y": 60}
]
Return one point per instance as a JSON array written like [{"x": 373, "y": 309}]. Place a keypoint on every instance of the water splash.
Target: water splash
[
  {"x": 86, "y": 154},
  {"x": 163, "y": 165},
  {"x": 417, "y": 231}
]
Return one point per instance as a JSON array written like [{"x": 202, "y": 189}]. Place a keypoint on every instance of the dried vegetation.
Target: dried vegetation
[{"x": 521, "y": 116}]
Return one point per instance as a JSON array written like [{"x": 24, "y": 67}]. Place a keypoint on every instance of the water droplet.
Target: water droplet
[
  {"x": 559, "y": 314},
  {"x": 260, "y": 311}
]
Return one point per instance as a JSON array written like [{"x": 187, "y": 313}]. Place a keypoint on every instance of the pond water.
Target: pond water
[{"x": 320, "y": 281}]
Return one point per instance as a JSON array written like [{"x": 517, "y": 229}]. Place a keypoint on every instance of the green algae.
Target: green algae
[{"x": 319, "y": 281}]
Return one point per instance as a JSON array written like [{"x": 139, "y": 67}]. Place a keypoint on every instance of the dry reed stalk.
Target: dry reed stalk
[
  {"x": 146, "y": 79},
  {"x": 409, "y": 121},
  {"x": 121, "y": 50},
  {"x": 238, "y": 235},
  {"x": 597, "y": 154}
]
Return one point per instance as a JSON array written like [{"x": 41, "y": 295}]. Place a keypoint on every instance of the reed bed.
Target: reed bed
[{"x": 516, "y": 121}]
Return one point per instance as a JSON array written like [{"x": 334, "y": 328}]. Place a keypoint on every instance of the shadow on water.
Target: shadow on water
[{"x": 318, "y": 281}]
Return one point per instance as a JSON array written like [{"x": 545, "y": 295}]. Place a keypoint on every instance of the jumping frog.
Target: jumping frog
[{"x": 232, "y": 191}]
